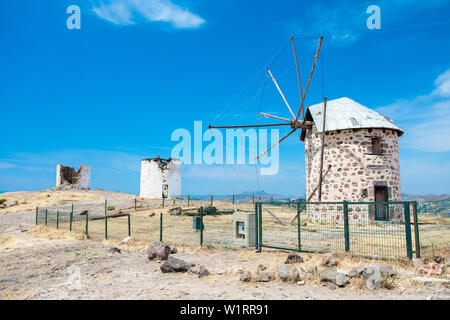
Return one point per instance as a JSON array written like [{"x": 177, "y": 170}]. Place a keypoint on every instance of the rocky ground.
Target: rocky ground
[
  {"x": 35, "y": 268},
  {"x": 44, "y": 263}
]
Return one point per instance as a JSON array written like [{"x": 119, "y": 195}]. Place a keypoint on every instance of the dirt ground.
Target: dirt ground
[{"x": 44, "y": 263}]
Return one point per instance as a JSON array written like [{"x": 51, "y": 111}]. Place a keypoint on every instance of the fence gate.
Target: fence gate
[{"x": 353, "y": 227}]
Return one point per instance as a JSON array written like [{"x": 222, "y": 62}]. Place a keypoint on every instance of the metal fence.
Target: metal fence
[
  {"x": 368, "y": 229},
  {"x": 386, "y": 230}
]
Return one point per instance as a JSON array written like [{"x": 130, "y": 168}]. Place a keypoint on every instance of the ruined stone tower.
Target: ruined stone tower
[
  {"x": 69, "y": 176},
  {"x": 361, "y": 146},
  {"x": 160, "y": 177}
]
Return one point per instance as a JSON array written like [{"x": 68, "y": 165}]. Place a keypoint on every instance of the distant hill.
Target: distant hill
[{"x": 428, "y": 197}]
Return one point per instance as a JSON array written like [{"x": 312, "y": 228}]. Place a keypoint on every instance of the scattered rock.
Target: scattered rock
[
  {"x": 288, "y": 273},
  {"x": 114, "y": 250},
  {"x": 360, "y": 269},
  {"x": 293, "y": 258},
  {"x": 176, "y": 265},
  {"x": 341, "y": 279},
  {"x": 439, "y": 259},
  {"x": 352, "y": 273},
  {"x": 301, "y": 283},
  {"x": 173, "y": 249},
  {"x": 418, "y": 262},
  {"x": 261, "y": 267},
  {"x": 264, "y": 276},
  {"x": 246, "y": 276},
  {"x": 158, "y": 250},
  {"x": 334, "y": 276},
  {"x": 330, "y": 259},
  {"x": 311, "y": 270},
  {"x": 431, "y": 282},
  {"x": 200, "y": 271},
  {"x": 376, "y": 273},
  {"x": 432, "y": 269},
  {"x": 152, "y": 214}
]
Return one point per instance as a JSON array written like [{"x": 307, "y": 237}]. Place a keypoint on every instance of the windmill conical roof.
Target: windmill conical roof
[{"x": 345, "y": 113}]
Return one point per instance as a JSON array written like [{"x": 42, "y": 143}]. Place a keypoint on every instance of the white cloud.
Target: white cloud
[
  {"x": 6, "y": 165},
  {"x": 127, "y": 12},
  {"x": 425, "y": 118}
]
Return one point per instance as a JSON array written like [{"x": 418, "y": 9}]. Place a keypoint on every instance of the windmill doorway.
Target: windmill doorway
[{"x": 381, "y": 206}]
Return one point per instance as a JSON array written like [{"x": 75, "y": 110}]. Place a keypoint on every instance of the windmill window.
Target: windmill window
[{"x": 376, "y": 145}]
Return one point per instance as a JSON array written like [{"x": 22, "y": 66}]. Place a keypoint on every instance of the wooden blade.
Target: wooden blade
[
  {"x": 298, "y": 73},
  {"x": 276, "y": 117},
  {"x": 251, "y": 125},
  {"x": 281, "y": 93},
  {"x": 310, "y": 76},
  {"x": 275, "y": 144}
]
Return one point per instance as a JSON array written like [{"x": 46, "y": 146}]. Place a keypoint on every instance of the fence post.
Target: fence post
[
  {"x": 260, "y": 227},
  {"x": 46, "y": 215},
  {"x": 346, "y": 228},
  {"x": 298, "y": 228},
  {"x": 87, "y": 223},
  {"x": 129, "y": 225},
  {"x": 106, "y": 220},
  {"x": 160, "y": 226},
  {"x": 188, "y": 201},
  {"x": 201, "y": 226},
  {"x": 57, "y": 219},
  {"x": 71, "y": 218},
  {"x": 233, "y": 198},
  {"x": 212, "y": 201},
  {"x": 253, "y": 199},
  {"x": 416, "y": 229},
  {"x": 256, "y": 227},
  {"x": 37, "y": 213},
  {"x": 163, "y": 201},
  {"x": 135, "y": 204},
  {"x": 408, "y": 230}
]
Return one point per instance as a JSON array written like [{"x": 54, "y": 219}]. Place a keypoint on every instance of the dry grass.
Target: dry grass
[
  {"x": 9, "y": 240},
  {"x": 49, "y": 233},
  {"x": 29, "y": 200}
]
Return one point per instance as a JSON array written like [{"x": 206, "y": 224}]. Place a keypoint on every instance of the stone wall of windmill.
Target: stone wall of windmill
[{"x": 356, "y": 170}]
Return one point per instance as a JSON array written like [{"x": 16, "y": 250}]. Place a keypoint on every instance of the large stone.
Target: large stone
[
  {"x": 294, "y": 258},
  {"x": 158, "y": 250},
  {"x": 330, "y": 259},
  {"x": 288, "y": 273},
  {"x": 341, "y": 279},
  {"x": 176, "y": 265},
  {"x": 246, "y": 276},
  {"x": 334, "y": 276},
  {"x": 373, "y": 277},
  {"x": 264, "y": 276},
  {"x": 432, "y": 269}
]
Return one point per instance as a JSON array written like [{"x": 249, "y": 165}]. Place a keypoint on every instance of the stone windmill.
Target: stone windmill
[{"x": 358, "y": 146}]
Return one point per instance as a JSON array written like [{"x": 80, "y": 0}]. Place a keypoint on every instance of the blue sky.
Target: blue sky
[{"x": 113, "y": 92}]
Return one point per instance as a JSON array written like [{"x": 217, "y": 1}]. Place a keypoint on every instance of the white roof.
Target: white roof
[{"x": 345, "y": 113}]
